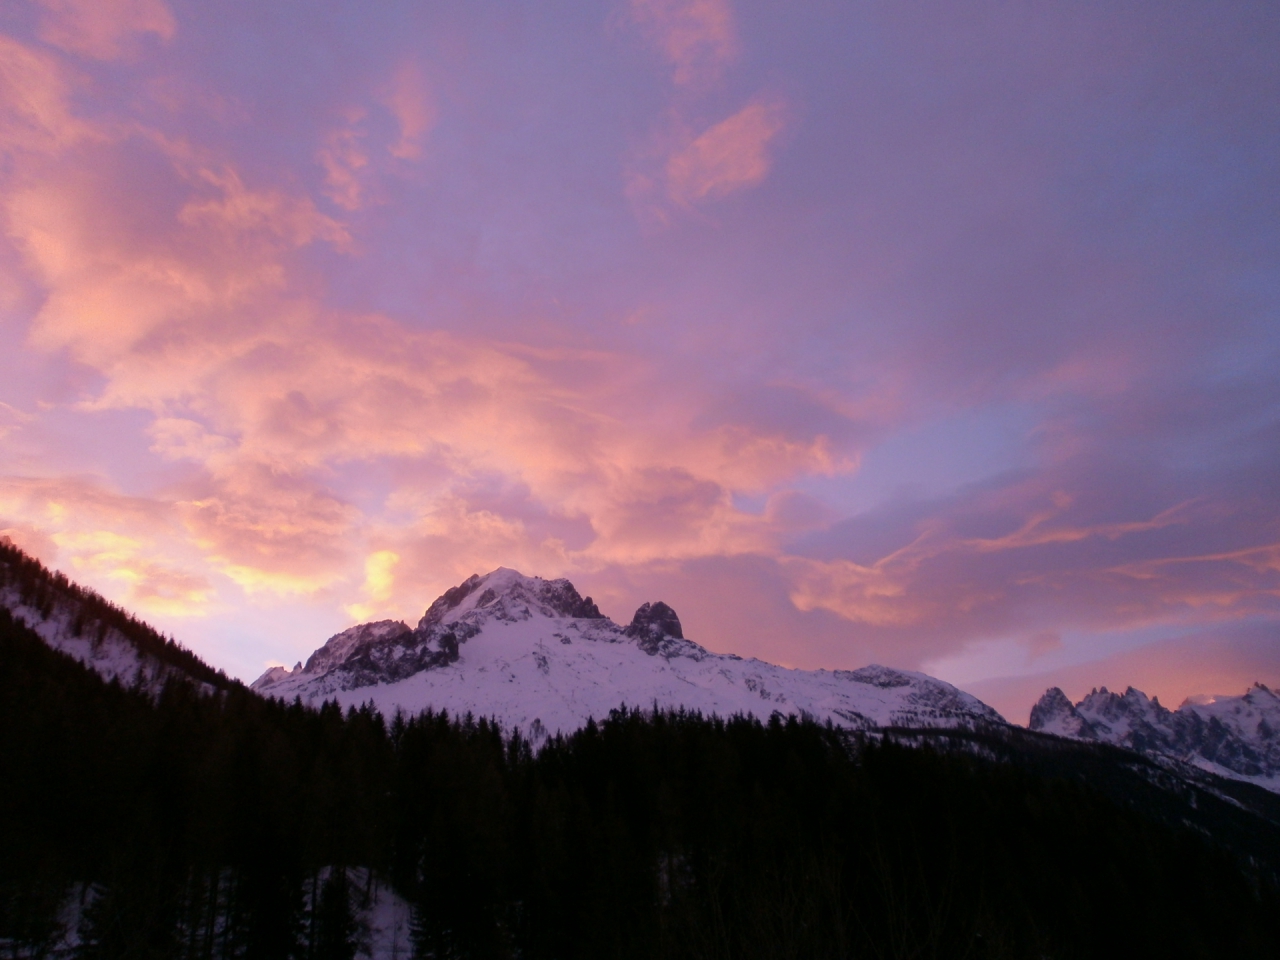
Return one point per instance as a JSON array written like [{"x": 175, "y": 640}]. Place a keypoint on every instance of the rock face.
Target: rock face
[
  {"x": 536, "y": 654},
  {"x": 655, "y": 628},
  {"x": 1237, "y": 737}
]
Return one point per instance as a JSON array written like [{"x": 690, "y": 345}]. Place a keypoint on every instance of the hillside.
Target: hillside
[{"x": 91, "y": 629}]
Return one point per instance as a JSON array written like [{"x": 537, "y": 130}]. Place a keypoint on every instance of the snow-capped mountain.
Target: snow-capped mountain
[
  {"x": 83, "y": 625},
  {"x": 537, "y": 655},
  {"x": 1237, "y": 737}
]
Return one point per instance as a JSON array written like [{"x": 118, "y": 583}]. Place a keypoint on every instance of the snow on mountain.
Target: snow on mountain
[
  {"x": 83, "y": 625},
  {"x": 1237, "y": 737},
  {"x": 536, "y": 655}
]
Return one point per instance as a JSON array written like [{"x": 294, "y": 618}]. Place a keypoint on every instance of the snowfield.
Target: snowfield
[{"x": 535, "y": 655}]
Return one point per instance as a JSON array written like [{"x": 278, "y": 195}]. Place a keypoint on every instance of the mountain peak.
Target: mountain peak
[
  {"x": 537, "y": 654},
  {"x": 509, "y": 594},
  {"x": 1236, "y": 736},
  {"x": 655, "y": 619}
]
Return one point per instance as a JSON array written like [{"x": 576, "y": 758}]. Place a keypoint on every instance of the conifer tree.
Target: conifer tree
[{"x": 336, "y": 928}]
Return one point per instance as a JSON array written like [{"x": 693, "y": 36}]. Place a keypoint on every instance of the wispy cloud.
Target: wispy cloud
[
  {"x": 682, "y": 170},
  {"x": 729, "y": 156},
  {"x": 410, "y": 102},
  {"x": 698, "y": 37},
  {"x": 103, "y": 29}
]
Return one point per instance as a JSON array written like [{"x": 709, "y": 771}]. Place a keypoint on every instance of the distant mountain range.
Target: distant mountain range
[
  {"x": 143, "y": 813},
  {"x": 536, "y": 654},
  {"x": 1236, "y": 737}
]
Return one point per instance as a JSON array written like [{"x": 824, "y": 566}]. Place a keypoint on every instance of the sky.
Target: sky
[{"x": 943, "y": 336}]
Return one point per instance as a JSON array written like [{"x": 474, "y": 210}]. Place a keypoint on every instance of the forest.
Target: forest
[{"x": 208, "y": 822}]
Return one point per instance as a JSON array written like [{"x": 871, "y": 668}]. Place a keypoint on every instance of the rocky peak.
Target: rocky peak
[
  {"x": 1236, "y": 735},
  {"x": 1054, "y": 713},
  {"x": 506, "y": 594},
  {"x": 656, "y": 629},
  {"x": 655, "y": 619},
  {"x": 343, "y": 646}
]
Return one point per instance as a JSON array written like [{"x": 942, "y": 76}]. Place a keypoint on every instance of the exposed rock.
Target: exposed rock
[
  {"x": 656, "y": 630},
  {"x": 536, "y": 654},
  {"x": 1236, "y": 736},
  {"x": 655, "y": 618}
]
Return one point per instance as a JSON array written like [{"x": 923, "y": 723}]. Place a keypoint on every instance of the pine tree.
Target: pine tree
[{"x": 336, "y": 928}]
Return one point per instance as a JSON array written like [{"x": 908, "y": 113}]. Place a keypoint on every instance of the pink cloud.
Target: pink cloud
[
  {"x": 698, "y": 37},
  {"x": 269, "y": 324},
  {"x": 34, "y": 94},
  {"x": 410, "y": 102},
  {"x": 128, "y": 546},
  {"x": 185, "y": 302},
  {"x": 1222, "y": 660},
  {"x": 102, "y": 29},
  {"x": 345, "y": 161},
  {"x": 729, "y": 156}
]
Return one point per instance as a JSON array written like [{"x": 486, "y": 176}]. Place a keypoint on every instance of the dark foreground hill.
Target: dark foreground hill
[
  {"x": 91, "y": 629},
  {"x": 190, "y": 824}
]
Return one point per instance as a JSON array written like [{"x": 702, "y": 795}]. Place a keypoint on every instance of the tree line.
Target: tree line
[{"x": 189, "y": 824}]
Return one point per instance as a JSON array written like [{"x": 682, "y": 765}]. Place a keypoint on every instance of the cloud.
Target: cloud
[
  {"x": 730, "y": 156},
  {"x": 410, "y": 102},
  {"x": 1042, "y": 642},
  {"x": 240, "y": 211},
  {"x": 34, "y": 94},
  {"x": 698, "y": 37},
  {"x": 273, "y": 325},
  {"x": 102, "y": 29},
  {"x": 127, "y": 546},
  {"x": 272, "y": 531},
  {"x": 1011, "y": 557},
  {"x": 379, "y": 584},
  {"x": 1223, "y": 659},
  {"x": 345, "y": 161},
  {"x": 182, "y": 300},
  {"x": 682, "y": 171}
]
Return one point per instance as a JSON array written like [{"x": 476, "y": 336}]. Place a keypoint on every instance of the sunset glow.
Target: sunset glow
[{"x": 942, "y": 336}]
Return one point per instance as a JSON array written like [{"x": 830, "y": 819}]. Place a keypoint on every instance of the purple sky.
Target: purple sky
[{"x": 938, "y": 335}]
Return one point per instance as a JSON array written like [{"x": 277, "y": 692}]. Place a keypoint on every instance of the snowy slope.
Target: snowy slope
[
  {"x": 83, "y": 625},
  {"x": 1237, "y": 737},
  {"x": 536, "y": 655},
  {"x": 107, "y": 651}
]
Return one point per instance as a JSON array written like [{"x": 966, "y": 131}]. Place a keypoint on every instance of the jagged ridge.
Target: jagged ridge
[
  {"x": 1234, "y": 736},
  {"x": 536, "y": 654}
]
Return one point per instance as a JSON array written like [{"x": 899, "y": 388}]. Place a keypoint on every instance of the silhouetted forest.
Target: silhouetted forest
[
  {"x": 42, "y": 589},
  {"x": 219, "y": 825}
]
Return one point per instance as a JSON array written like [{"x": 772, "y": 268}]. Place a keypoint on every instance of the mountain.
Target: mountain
[
  {"x": 193, "y": 826},
  {"x": 1236, "y": 737},
  {"x": 84, "y": 625},
  {"x": 537, "y": 655}
]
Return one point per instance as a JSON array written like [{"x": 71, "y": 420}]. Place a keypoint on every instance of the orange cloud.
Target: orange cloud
[
  {"x": 698, "y": 37},
  {"x": 102, "y": 28},
  {"x": 241, "y": 211},
  {"x": 346, "y": 156},
  {"x": 730, "y": 156},
  {"x": 108, "y": 540},
  {"x": 181, "y": 293},
  {"x": 268, "y": 531}
]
